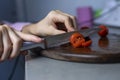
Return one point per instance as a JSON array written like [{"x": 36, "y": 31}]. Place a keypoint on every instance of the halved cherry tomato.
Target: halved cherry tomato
[
  {"x": 104, "y": 31},
  {"x": 76, "y": 40},
  {"x": 87, "y": 43}
]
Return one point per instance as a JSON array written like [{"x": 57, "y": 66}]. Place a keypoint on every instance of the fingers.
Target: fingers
[
  {"x": 68, "y": 20},
  {"x": 7, "y": 44},
  {"x": 1, "y": 42},
  {"x": 11, "y": 42},
  {"x": 56, "y": 31},
  {"x": 73, "y": 18},
  {"x": 29, "y": 37},
  {"x": 53, "y": 31}
]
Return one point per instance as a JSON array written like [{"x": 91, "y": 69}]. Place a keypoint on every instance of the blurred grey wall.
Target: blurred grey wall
[
  {"x": 7, "y": 10},
  {"x": 35, "y": 10}
]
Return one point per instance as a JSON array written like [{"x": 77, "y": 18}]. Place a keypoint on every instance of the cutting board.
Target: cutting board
[{"x": 102, "y": 50}]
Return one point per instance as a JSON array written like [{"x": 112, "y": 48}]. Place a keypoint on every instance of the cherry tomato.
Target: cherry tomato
[
  {"x": 87, "y": 43},
  {"x": 76, "y": 40},
  {"x": 104, "y": 31}
]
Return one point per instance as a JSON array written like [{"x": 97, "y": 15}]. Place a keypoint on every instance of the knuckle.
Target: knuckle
[
  {"x": 53, "y": 12},
  {"x": 5, "y": 25},
  {"x": 18, "y": 41},
  {"x": 2, "y": 27},
  {"x": 73, "y": 17},
  {"x": 67, "y": 18}
]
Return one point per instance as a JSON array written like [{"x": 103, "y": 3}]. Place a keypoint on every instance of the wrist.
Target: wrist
[{"x": 28, "y": 29}]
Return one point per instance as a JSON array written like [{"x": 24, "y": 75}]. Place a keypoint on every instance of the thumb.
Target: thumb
[{"x": 29, "y": 37}]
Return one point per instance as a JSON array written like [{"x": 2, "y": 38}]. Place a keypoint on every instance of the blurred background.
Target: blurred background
[
  {"x": 35, "y": 10},
  {"x": 100, "y": 12}
]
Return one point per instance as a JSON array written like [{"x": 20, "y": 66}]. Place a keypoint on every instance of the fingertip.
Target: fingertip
[
  {"x": 37, "y": 39},
  {"x": 71, "y": 29},
  {"x": 32, "y": 38}
]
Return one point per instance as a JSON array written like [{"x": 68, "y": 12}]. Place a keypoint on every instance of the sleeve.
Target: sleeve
[{"x": 17, "y": 25}]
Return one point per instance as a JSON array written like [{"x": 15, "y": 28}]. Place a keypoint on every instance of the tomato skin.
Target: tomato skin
[
  {"x": 75, "y": 36},
  {"x": 78, "y": 43},
  {"x": 87, "y": 43},
  {"x": 76, "y": 40},
  {"x": 104, "y": 31}
]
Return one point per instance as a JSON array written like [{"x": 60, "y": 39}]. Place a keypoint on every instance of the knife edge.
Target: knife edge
[{"x": 57, "y": 40}]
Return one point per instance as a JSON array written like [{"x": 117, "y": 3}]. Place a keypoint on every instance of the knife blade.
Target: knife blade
[{"x": 57, "y": 40}]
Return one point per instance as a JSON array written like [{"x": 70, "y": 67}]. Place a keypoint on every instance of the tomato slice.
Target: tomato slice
[
  {"x": 104, "y": 31},
  {"x": 87, "y": 43},
  {"x": 76, "y": 40}
]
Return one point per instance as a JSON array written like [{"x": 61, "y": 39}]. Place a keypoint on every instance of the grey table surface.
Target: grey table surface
[{"x": 42, "y": 68}]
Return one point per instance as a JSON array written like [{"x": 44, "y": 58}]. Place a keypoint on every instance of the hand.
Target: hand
[
  {"x": 48, "y": 26},
  {"x": 11, "y": 41}
]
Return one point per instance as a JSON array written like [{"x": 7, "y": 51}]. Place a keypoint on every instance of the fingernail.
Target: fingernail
[{"x": 72, "y": 29}]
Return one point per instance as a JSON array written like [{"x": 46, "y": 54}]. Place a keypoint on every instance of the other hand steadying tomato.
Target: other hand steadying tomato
[
  {"x": 104, "y": 31},
  {"x": 78, "y": 40}
]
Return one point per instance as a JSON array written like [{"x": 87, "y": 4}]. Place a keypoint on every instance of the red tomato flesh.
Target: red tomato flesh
[{"x": 78, "y": 40}]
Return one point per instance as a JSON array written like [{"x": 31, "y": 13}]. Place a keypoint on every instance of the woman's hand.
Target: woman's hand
[
  {"x": 48, "y": 26},
  {"x": 11, "y": 42}
]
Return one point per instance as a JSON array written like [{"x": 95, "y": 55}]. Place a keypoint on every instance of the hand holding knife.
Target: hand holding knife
[{"x": 56, "y": 40}]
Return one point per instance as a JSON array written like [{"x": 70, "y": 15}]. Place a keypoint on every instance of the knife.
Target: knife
[{"x": 57, "y": 40}]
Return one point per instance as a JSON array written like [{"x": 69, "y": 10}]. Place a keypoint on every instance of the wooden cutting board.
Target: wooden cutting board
[{"x": 102, "y": 50}]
